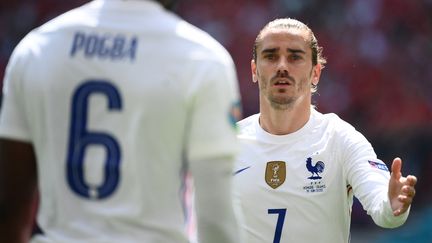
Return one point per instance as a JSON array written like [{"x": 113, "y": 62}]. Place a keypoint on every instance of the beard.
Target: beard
[
  {"x": 281, "y": 103},
  {"x": 284, "y": 98}
]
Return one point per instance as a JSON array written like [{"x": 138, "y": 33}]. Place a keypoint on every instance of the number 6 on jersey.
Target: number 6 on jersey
[{"x": 80, "y": 137}]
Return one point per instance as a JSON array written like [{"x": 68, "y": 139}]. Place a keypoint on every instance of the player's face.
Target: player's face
[{"x": 284, "y": 68}]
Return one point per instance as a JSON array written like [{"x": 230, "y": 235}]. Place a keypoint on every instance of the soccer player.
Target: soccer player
[
  {"x": 105, "y": 110},
  {"x": 299, "y": 169}
]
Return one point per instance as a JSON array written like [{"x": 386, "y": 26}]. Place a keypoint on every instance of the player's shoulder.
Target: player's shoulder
[
  {"x": 339, "y": 129},
  {"x": 33, "y": 42},
  {"x": 27, "y": 47},
  {"x": 45, "y": 32},
  {"x": 247, "y": 126},
  {"x": 203, "y": 45},
  {"x": 332, "y": 121},
  {"x": 68, "y": 19}
]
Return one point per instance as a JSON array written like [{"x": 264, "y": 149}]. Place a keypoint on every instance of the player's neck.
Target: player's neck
[{"x": 286, "y": 121}]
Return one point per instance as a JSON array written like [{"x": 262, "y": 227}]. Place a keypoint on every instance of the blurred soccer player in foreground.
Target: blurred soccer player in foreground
[{"x": 105, "y": 109}]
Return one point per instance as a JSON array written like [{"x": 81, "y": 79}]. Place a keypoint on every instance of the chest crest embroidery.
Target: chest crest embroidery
[
  {"x": 275, "y": 173},
  {"x": 316, "y": 169},
  {"x": 315, "y": 184}
]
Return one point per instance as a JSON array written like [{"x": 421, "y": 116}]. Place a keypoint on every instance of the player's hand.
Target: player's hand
[{"x": 401, "y": 189}]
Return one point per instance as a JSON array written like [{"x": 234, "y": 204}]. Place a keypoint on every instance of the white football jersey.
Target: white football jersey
[
  {"x": 116, "y": 96},
  {"x": 299, "y": 187}
]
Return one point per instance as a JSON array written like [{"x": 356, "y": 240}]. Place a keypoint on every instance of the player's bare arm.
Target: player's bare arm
[{"x": 17, "y": 190}]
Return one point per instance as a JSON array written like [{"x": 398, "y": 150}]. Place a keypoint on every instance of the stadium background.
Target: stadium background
[{"x": 378, "y": 76}]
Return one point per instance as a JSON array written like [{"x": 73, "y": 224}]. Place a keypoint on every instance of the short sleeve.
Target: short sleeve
[
  {"x": 215, "y": 103},
  {"x": 13, "y": 123}
]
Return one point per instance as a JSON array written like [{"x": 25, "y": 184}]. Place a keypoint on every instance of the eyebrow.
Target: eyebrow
[
  {"x": 270, "y": 50},
  {"x": 273, "y": 50},
  {"x": 296, "y": 50}
]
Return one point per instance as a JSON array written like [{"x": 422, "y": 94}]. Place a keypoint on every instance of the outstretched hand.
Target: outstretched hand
[{"x": 401, "y": 189}]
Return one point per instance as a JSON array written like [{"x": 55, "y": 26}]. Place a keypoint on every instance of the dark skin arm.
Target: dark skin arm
[{"x": 18, "y": 190}]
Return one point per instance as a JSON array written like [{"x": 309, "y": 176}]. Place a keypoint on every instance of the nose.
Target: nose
[{"x": 282, "y": 65}]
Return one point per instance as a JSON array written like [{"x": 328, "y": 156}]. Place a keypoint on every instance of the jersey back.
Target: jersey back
[{"x": 116, "y": 96}]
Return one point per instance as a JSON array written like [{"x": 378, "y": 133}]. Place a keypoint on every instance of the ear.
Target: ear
[
  {"x": 254, "y": 71},
  {"x": 316, "y": 74}
]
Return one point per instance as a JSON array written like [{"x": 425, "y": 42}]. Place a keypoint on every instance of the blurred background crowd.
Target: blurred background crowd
[{"x": 378, "y": 76}]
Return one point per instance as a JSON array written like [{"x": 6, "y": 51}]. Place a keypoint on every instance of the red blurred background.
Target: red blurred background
[{"x": 378, "y": 75}]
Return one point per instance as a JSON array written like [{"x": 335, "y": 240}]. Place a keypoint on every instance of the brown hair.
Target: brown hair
[{"x": 287, "y": 23}]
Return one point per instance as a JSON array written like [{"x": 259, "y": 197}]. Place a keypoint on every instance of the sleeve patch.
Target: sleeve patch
[
  {"x": 378, "y": 165},
  {"x": 235, "y": 113}
]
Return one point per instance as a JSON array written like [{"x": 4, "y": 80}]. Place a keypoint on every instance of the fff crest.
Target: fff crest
[
  {"x": 316, "y": 169},
  {"x": 275, "y": 173}
]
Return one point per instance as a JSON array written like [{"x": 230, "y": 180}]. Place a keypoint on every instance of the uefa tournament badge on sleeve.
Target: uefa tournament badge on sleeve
[
  {"x": 235, "y": 113},
  {"x": 378, "y": 165}
]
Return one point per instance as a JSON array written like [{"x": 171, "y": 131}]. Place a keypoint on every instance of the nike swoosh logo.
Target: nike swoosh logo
[{"x": 235, "y": 173}]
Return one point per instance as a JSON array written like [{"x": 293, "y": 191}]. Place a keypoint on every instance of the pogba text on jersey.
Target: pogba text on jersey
[{"x": 104, "y": 46}]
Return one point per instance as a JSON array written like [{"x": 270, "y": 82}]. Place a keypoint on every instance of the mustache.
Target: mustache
[{"x": 282, "y": 74}]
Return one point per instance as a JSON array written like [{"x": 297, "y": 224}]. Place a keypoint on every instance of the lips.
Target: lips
[{"x": 282, "y": 81}]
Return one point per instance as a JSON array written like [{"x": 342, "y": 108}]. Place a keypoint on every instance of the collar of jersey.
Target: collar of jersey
[{"x": 264, "y": 136}]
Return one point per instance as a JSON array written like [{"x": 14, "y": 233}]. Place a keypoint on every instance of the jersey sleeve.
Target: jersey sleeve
[
  {"x": 215, "y": 104},
  {"x": 369, "y": 178},
  {"x": 211, "y": 148},
  {"x": 13, "y": 122}
]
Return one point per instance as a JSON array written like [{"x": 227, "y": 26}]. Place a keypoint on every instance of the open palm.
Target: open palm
[{"x": 401, "y": 189}]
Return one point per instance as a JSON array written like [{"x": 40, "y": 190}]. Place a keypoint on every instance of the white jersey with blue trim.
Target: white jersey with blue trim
[
  {"x": 116, "y": 96},
  {"x": 299, "y": 187}
]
